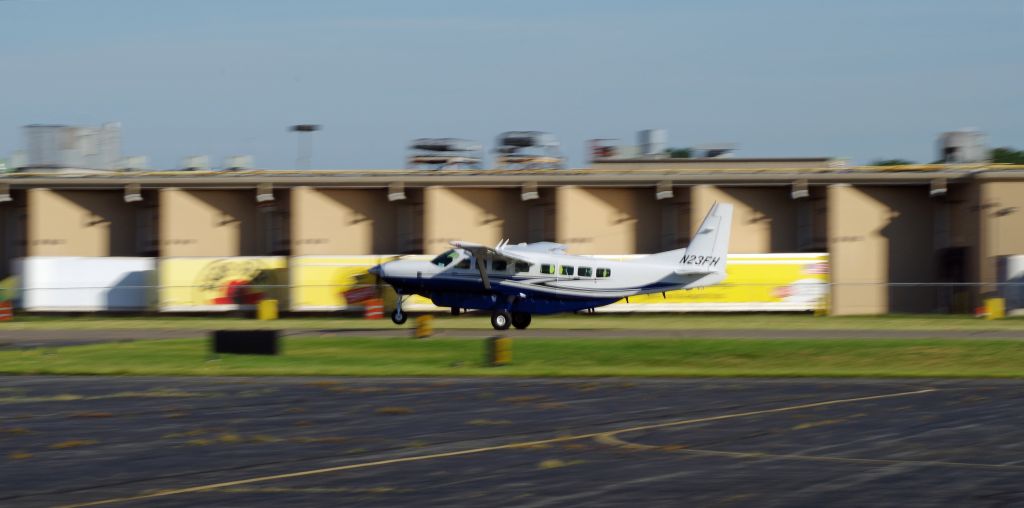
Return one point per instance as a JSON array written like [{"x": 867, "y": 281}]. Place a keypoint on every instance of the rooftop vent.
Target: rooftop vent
[{"x": 444, "y": 153}]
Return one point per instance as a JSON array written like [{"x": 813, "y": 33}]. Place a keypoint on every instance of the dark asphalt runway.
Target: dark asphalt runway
[
  {"x": 54, "y": 338},
  {"x": 105, "y": 441}
]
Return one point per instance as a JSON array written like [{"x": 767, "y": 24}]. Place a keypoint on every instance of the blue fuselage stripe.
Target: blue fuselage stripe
[{"x": 467, "y": 292}]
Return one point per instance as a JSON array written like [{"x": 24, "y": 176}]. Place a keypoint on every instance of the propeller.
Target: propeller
[{"x": 368, "y": 284}]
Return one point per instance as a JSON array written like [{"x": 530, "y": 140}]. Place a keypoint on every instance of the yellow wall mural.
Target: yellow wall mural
[
  {"x": 197, "y": 284},
  {"x": 755, "y": 282}
]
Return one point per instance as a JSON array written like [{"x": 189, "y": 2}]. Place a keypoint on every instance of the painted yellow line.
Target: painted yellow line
[{"x": 473, "y": 451}]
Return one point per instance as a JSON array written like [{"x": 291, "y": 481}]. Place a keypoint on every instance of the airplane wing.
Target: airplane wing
[
  {"x": 483, "y": 251},
  {"x": 480, "y": 251}
]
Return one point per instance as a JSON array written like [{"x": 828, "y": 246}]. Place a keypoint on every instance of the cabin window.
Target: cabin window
[
  {"x": 499, "y": 265},
  {"x": 446, "y": 258},
  {"x": 586, "y": 271},
  {"x": 567, "y": 270},
  {"x": 548, "y": 269},
  {"x": 604, "y": 272},
  {"x": 522, "y": 267},
  {"x": 464, "y": 264}
]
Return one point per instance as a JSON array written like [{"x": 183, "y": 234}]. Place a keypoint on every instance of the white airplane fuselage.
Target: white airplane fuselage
[
  {"x": 600, "y": 282},
  {"x": 516, "y": 281}
]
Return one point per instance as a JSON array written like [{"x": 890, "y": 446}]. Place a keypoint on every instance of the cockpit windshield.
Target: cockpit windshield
[{"x": 446, "y": 258}]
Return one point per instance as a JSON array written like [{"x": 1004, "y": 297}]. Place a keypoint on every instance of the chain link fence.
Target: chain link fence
[{"x": 805, "y": 296}]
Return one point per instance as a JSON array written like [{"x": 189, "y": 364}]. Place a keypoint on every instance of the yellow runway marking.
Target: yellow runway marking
[{"x": 485, "y": 449}]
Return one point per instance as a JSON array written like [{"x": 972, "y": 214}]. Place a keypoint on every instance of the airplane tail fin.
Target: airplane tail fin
[{"x": 708, "y": 247}]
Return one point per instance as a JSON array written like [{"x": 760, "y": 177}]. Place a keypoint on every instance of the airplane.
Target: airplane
[{"x": 515, "y": 282}]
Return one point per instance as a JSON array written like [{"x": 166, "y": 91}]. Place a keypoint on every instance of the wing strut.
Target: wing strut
[{"x": 483, "y": 273}]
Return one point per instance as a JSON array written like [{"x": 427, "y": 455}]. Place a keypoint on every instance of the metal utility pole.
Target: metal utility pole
[{"x": 304, "y": 157}]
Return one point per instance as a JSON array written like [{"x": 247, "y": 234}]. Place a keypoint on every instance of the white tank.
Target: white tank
[
  {"x": 963, "y": 147},
  {"x": 108, "y": 151},
  {"x": 45, "y": 144},
  {"x": 63, "y": 146},
  {"x": 652, "y": 142}
]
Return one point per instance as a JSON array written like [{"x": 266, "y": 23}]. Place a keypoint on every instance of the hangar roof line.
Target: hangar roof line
[{"x": 491, "y": 177}]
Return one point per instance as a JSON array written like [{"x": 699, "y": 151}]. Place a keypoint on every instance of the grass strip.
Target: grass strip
[{"x": 320, "y": 356}]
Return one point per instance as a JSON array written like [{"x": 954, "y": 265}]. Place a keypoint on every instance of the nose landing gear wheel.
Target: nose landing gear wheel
[
  {"x": 521, "y": 320},
  {"x": 398, "y": 317},
  {"x": 500, "y": 320}
]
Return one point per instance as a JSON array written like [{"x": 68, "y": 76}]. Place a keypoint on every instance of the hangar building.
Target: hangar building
[{"x": 891, "y": 234}]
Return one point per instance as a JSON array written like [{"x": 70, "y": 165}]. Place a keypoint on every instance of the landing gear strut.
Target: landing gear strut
[
  {"x": 399, "y": 317},
  {"x": 521, "y": 320},
  {"x": 501, "y": 319}
]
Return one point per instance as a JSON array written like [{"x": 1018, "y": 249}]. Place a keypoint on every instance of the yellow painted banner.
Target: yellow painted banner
[
  {"x": 197, "y": 284},
  {"x": 755, "y": 282}
]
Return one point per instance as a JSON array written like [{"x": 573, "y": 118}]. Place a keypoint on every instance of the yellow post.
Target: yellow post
[
  {"x": 822, "y": 308},
  {"x": 266, "y": 310},
  {"x": 424, "y": 326},
  {"x": 499, "y": 351},
  {"x": 995, "y": 308}
]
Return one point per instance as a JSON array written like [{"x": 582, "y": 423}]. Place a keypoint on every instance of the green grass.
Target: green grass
[
  {"x": 557, "y": 322},
  {"x": 304, "y": 356}
]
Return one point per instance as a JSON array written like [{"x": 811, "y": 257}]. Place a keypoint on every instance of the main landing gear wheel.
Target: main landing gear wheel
[
  {"x": 521, "y": 320},
  {"x": 456, "y": 311},
  {"x": 398, "y": 317},
  {"x": 500, "y": 320}
]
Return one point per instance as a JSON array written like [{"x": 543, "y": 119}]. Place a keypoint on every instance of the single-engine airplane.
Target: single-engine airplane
[{"x": 515, "y": 282}]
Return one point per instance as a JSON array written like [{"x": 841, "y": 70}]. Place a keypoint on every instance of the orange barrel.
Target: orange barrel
[
  {"x": 373, "y": 309},
  {"x": 6, "y": 310}
]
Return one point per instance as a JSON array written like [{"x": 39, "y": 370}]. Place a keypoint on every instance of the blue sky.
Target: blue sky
[{"x": 859, "y": 79}]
